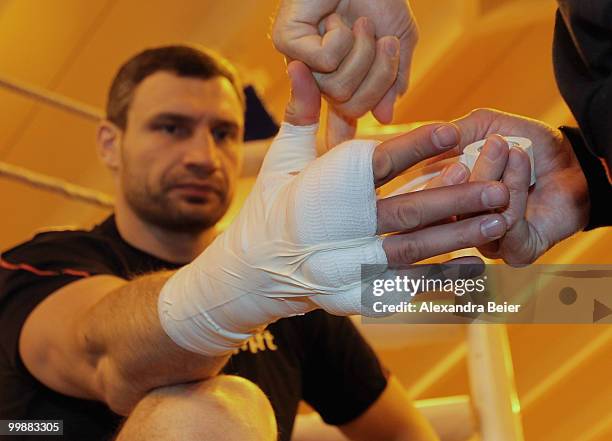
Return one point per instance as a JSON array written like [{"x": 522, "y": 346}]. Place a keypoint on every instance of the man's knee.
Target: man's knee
[{"x": 223, "y": 407}]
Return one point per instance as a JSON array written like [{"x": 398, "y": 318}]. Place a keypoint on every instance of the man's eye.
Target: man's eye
[
  {"x": 223, "y": 134},
  {"x": 173, "y": 129},
  {"x": 169, "y": 128}
]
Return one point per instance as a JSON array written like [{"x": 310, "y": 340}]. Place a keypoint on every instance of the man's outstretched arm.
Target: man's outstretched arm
[{"x": 101, "y": 338}]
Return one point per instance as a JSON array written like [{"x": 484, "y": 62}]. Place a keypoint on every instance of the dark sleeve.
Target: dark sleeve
[
  {"x": 258, "y": 123},
  {"x": 342, "y": 376},
  {"x": 600, "y": 190},
  {"x": 582, "y": 59},
  {"x": 32, "y": 271}
]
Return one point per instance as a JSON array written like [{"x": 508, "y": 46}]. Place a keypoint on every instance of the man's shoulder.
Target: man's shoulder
[
  {"x": 56, "y": 238},
  {"x": 59, "y": 233},
  {"x": 60, "y": 251}
]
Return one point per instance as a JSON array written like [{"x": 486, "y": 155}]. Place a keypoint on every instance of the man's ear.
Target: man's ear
[{"x": 108, "y": 138}]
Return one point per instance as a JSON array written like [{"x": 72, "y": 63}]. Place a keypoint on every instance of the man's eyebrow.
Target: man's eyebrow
[
  {"x": 172, "y": 117},
  {"x": 229, "y": 123}
]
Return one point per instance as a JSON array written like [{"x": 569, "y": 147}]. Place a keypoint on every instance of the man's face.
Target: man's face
[{"x": 181, "y": 150}]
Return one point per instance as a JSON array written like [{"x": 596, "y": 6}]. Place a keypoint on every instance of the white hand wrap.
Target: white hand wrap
[{"x": 297, "y": 244}]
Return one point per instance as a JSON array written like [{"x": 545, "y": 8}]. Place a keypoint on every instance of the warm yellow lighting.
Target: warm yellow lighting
[
  {"x": 452, "y": 359},
  {"x": 442, "y": 401},
  {"x": 582, "y": 356}
]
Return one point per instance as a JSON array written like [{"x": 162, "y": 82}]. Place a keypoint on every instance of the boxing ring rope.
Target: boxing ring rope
[
  {"x": 54, "y": 99},
  {"x": 39, "y": 180},
  {"x": 56, "y": 185}
]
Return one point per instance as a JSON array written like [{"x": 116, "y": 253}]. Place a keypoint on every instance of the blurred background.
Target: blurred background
[{"x": 472, "y": 53}]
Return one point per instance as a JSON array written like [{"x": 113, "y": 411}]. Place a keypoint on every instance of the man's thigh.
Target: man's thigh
[{"x": 221, "y": 408}]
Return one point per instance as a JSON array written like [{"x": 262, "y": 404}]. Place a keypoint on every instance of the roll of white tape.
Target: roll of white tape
[
  {"x": 471, "y": 152},
  {"x": 416, "y": 179}
]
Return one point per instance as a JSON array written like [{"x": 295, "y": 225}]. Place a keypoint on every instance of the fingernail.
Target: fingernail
[
  {"x": 445, "y": 137},
  {"x": 392, "y": 47},
  {"x": 492, "y": 228},
  {"x": 495, "y": 148},
  {"x": 494, "y": 196},
  {"x": 455, "y": 174}
]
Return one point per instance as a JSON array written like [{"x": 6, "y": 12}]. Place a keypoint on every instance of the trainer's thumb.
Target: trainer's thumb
[{"x": 304, "y": 105}]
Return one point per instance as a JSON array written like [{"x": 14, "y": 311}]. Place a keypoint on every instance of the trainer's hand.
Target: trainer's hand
[
  {"x": 365, "y": 75},
  {"x": 538, "y": 218},
  {"x": 335, "y": 37}
]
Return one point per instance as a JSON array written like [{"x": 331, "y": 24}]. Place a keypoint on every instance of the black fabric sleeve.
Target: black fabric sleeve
[
  {"x": 342, "y": 376},
  {"x": 258, "y": 123},
  {"x": 600, "y": 190},
  {"x": 582, "y": 59},
  {"x": 34, "y": 270}
]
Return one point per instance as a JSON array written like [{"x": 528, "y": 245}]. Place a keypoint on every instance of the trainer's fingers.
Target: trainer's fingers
[
  {"x": 492, "y": 160},
  {"x": 301, "y": 41},
  {"x": 517, "y": 177},
  {"x": 514, "y": 247},
  {"x": 433, "y": 241},
  {"x": 452, "y": 174},
  {"x": 394, "y": 156},
  {"x": 339, "y": 128},
  {"x": 341, "y": 84},
  {"x": 517, "y": 246},
  {"x": 378, "y": 81},
  {"x": 474, "y": 126},
  {"x": 422, "y": 208},
  {"x": 383, "y": 111},
  {"x": 408, "y": 42}
]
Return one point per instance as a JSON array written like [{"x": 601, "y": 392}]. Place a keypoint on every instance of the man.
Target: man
[{"x": 98, "y": 326}]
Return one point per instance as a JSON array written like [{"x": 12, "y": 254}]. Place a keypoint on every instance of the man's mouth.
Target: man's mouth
[{"x": 198, "y": 191}]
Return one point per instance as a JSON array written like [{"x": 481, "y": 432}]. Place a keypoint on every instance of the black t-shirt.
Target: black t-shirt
[
  {"x": 582, "y": 55},
  {"x": 316, "y": 357}
]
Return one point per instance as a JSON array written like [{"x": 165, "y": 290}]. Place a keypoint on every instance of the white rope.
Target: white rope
[
  {"x": 44, "y": 182},
  {"x": 55, "y": 185},
  {"x": 51, "y": 98}
]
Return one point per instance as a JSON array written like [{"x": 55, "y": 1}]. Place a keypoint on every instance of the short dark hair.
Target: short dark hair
[{"x": 184, "y": 61}]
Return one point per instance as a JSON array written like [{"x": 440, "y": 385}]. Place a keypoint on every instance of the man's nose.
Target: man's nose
[{"x": 202, "y": 153}]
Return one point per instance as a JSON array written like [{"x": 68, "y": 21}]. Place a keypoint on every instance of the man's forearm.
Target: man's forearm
[{"x": 130, "y": 350}]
